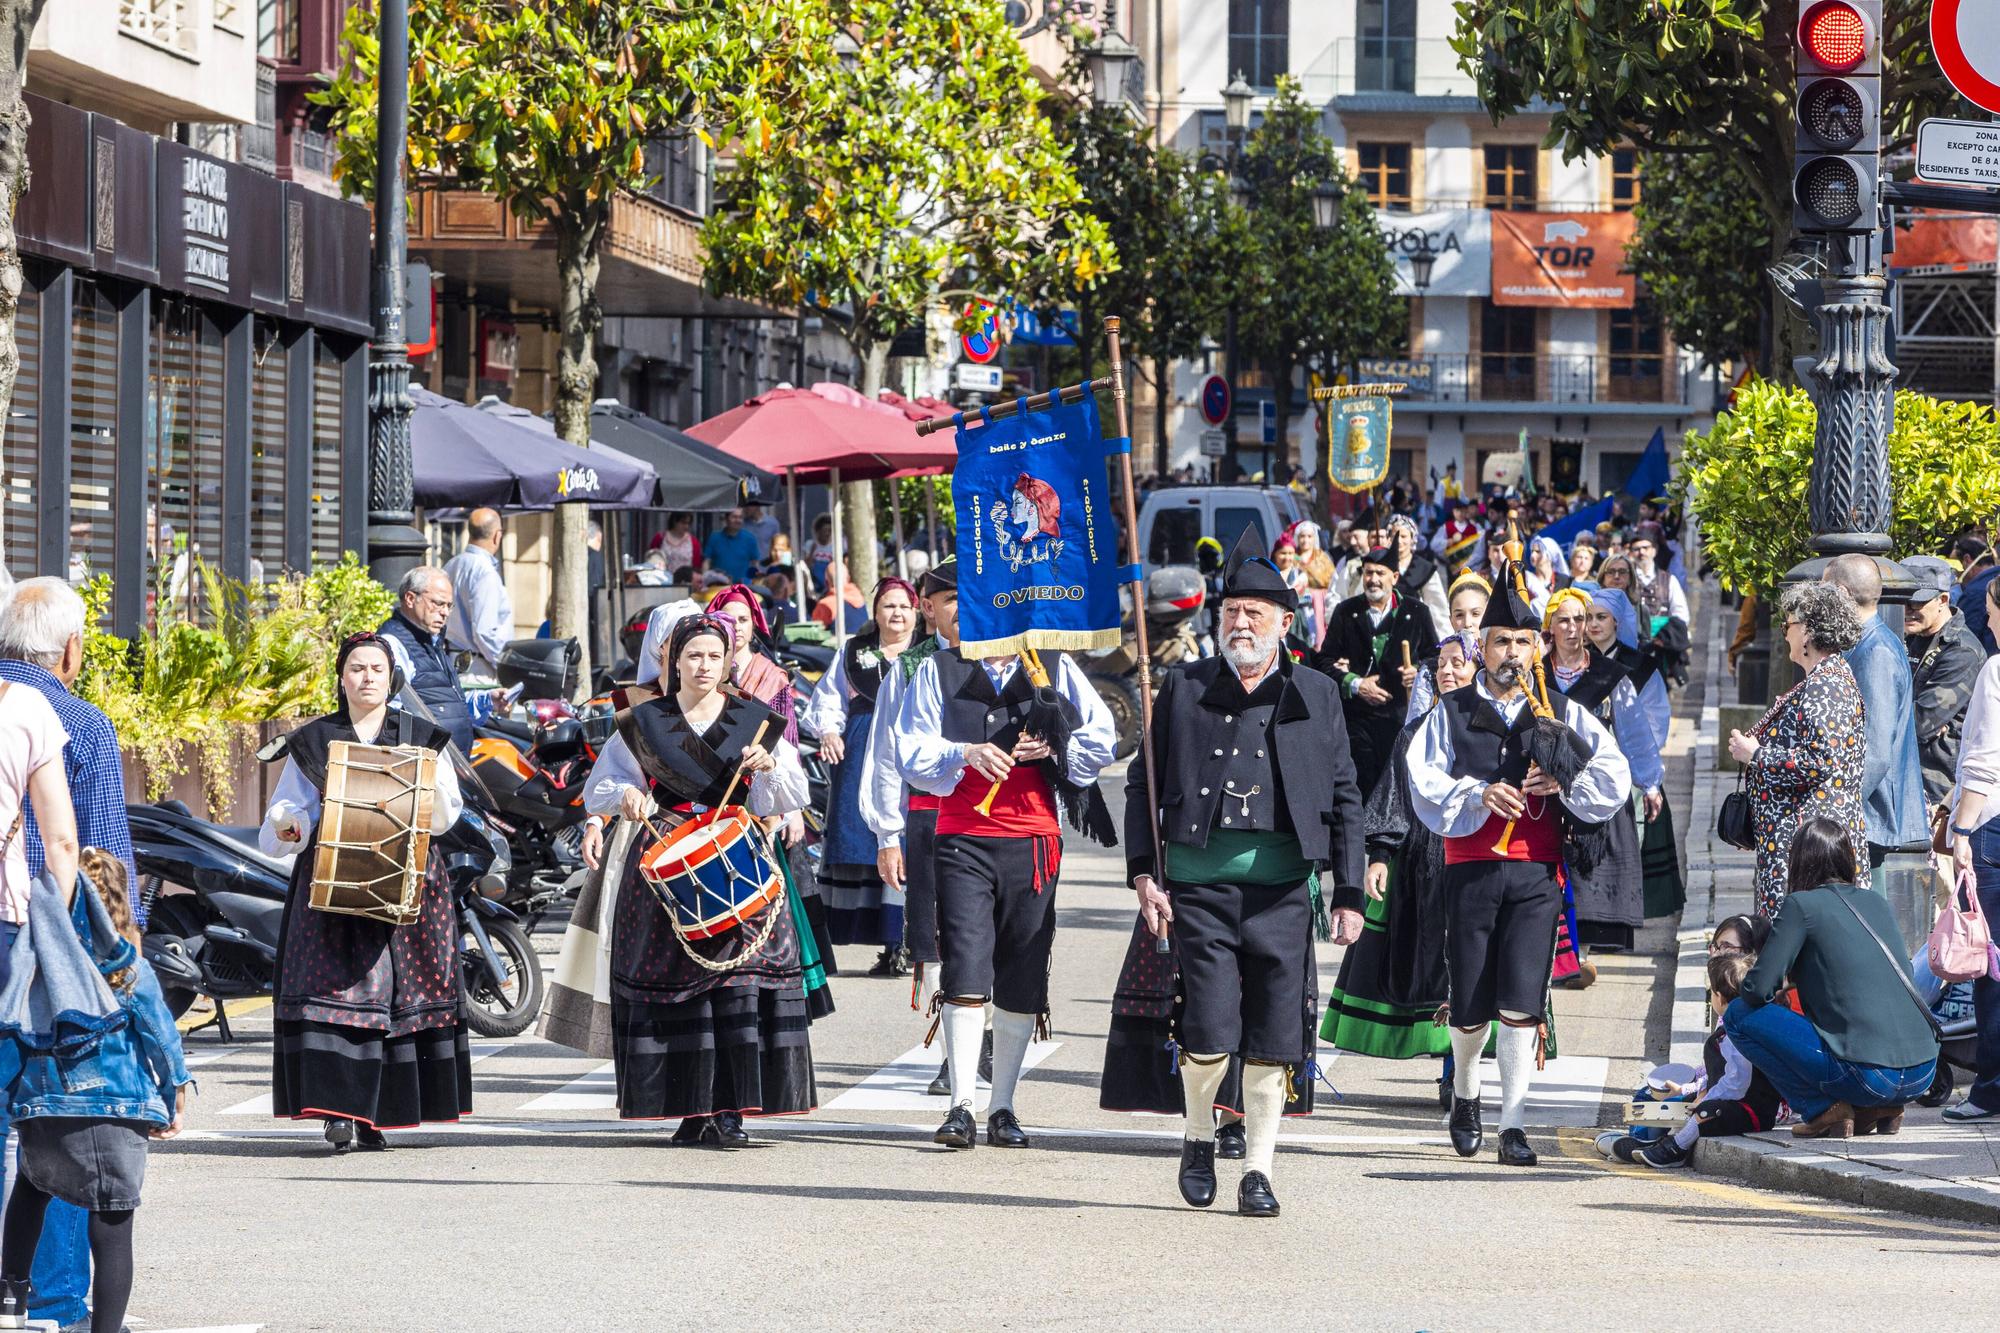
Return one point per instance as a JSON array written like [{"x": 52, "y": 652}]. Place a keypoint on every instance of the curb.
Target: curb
[{"x": 1755, "y": 1161}]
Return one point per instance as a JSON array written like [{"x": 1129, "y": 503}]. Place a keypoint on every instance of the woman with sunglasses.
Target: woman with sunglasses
[{"x": 369, "y": 1029}]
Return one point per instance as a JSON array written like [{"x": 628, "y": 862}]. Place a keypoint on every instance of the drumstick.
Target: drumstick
[{"x": 737, "y": 777}]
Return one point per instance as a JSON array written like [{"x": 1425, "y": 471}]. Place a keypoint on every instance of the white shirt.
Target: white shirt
[
  {"x": 482, "y": 614},
  {"x": 1451, "y": 807},
  {"x": 775, "y": 792},
  {"x": 1979, "y": 744},
  {"x": 296, "y": 796},
  {"x": 930, "y": 763}
]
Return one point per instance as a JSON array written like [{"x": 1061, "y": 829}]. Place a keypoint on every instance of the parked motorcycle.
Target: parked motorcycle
[
  {"x": 215, "y": 905},
  {"x": 1175, "y": 596}
]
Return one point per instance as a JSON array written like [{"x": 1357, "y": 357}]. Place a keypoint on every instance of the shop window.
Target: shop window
[
  {"x": 1624, "y": 179},
  {"x": 1385, "y": 173},
  {"x": 184, "y": 469},
  {"x": 324, "y": 500},
  {"x": 267, "y": 454},
  {"x": 1510, "y": 176},
  {"x": 20, "y": 456},
  {"x": 93, "y": 432}
]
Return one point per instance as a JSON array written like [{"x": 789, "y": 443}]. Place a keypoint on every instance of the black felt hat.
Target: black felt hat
[
  {"x": 1382, "y": 556},
  {"x": 1252, "y": 574},
  {"x": 1507, "y": 609},
  {"x": 941, "y": 577}
]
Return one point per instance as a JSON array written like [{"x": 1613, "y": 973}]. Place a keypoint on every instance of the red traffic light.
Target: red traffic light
[{"x": 1835, "y": 34}]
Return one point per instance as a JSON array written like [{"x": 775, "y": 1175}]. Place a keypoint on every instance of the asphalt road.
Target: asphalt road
[{"x": 544, "y": 1212}]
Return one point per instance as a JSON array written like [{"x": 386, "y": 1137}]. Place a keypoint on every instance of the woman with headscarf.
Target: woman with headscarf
[
  {"x": 704, "y": 1030},
  {"x": 1417, "y": 575},
  {"x": 1313, "y": 557},
  {"x": 1612, "y": 626},
  {"x": 1546, "y": 560},
  {"x": 861, "y": 908},
  {"x": 369, "y": 1029}
]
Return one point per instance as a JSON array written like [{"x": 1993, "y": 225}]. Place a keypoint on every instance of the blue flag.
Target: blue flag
[
  {"x": 1649, "y": 478},
  {"x": 1037, "y": 542}
]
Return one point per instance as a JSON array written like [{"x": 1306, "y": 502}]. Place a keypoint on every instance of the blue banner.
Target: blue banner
[{"x": 1037, "y": 540}]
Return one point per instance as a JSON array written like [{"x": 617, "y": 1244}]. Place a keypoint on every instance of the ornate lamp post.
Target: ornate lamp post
[{"x": 394, "y": 546}]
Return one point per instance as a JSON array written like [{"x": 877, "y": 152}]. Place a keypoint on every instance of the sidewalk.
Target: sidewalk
[{"x": 1933, "y": 1167}]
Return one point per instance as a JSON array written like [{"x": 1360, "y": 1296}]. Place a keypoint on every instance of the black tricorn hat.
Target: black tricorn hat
[
  {"x": 941, "y": 576},
  {"x": 1507, "y": 609},
  {"x": 1381, "y": 555},
  {"x": 1252, "y": 574}
]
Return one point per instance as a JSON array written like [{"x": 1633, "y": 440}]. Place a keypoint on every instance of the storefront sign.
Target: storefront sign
[
  {"x": 1460, "y": 242},
  {"x": 1561, "y": 259},
  {"x": 205, "y": 222},
  {"x": 1417, "y": 373}
]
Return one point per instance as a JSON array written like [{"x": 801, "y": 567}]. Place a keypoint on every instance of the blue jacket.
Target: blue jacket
[
  {"x": 1892, "y": 780},
  {"x": 433, "y": 678},
  {"x": 69, "y": 1044}
]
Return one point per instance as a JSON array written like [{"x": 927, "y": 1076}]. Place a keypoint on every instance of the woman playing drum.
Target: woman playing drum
[
  {"x": 707, "y": 1029},
  {"x": 369, "y": 1031}
]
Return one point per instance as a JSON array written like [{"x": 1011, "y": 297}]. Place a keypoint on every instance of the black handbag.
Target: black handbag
[{"x": 1732, "y": 821}]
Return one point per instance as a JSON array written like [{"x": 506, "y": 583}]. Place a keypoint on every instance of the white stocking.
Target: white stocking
[
  {"x": 1201, "y": 1077},
  {"x": 964, "y": 1029},
  {"x": 1515, "y": 1048},
  {"x": 1466, "y": 1048},
  {"x": 1011, "y": 1034},
  {"x": 1263, "y": 1104}
]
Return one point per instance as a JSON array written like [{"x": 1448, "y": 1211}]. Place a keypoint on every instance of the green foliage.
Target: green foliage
[
  {"x": 909, "y": 495},
  {"x": 1701, "y": 239},
  {"x": 1747, "y": 479},
  {"x": 263, "y": 654}
]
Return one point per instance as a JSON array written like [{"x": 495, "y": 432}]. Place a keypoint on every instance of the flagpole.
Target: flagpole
[
  {"x": 1068, "y": 393},
  {"x": 1117, "y": 378}
]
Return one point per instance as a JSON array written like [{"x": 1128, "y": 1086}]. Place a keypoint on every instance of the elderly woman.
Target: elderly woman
[
  {"x": 1417, "y": 576},
  {"x": 1805, "y": 754},
  {"x": 1975, "y": 847}
]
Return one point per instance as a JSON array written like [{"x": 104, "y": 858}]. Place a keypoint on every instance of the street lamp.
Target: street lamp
[
  {"x": 1236, "y": 99},
  {"x": 394, "y": 545},
  {"x": 1110, "y": 58},
  {"x": 1326, "y": 205},
  {"x": 1421, "y": 263}
]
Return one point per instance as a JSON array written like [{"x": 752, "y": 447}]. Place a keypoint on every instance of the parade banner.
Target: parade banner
[
  {"x": 1037, "y": 539},
  {"x": 1575, "y": 260},
  {"x": 1460, "y": 243},
  {"x": 1358, "y": 423}
]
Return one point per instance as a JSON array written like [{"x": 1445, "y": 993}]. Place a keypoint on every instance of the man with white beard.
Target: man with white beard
[{"x": 1256, "y": 797}]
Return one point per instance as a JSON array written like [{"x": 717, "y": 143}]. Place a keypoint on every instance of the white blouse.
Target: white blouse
[
  {"x": 1979, "y": 744},
  {"x": 777, "y": 791}
]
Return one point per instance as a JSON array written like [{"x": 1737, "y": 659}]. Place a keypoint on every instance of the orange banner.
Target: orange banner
[
  {"x": 1561, "y": 259},
  {"x": 1942, "y": 240}
]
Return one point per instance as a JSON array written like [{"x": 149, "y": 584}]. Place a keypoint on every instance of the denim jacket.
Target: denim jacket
[
  {"x": 1892, "y": 783},
  {"x": 69, "y": 1044}
]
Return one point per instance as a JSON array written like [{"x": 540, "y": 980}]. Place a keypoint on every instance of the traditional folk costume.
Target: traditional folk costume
[
  {"x": 997, "y": 871},
  {"x": 369, "y": 1026},
  {"x": 1255, "y": 798},
  {"x": 1502, "y": 906},
  {"x": 689, "y": 1041},
  {"x": 1419, "y": 580},
  {"x": 1370, "y": 638},
  {"x": 1659, "y": 849}
]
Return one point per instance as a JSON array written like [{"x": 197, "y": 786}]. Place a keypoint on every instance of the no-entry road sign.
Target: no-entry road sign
[{"x": 1965, "y": 35}]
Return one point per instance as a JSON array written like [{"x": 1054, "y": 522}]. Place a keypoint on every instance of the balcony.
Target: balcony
[
  {"x": 148, "y": 62},
  {"x": 1581, "y": 380},
  {"x": 1392, "y": 69}
]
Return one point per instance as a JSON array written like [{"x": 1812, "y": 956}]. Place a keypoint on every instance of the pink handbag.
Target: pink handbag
[{"x": 1961, "y": 944}]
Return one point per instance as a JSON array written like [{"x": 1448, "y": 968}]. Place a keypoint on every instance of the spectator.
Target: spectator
[
  {"x": 1805, "y": 753},
  {"x": 760, "y": 523},
  {"x": 855, "y": 613},
  {"x": 482, "y": 614},
  {"x": 784, "y": 606},
  {"x": 416, "y": 631},
  {"x": 1863, "y": 1044},
  {"x": 734, "y": 550},
  {"x": 1892, "y": 788},
  {"x": 1976, "y": 560},
  {"x": 822, "y": 550},
  {"x": 1944, "y": 665},
  {"x": 1975, "y": 847},
  {"x": 678, "y": 547}
]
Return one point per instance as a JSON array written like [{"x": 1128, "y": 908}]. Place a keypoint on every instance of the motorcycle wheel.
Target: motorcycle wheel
[
  {"x": 509, "y": 1012},
  {"x": 171, "y": 918},
  {"x": 1121, "y": 696}
]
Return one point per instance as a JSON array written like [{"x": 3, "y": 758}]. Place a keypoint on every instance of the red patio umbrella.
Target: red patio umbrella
[{"x": 815, "y": 433}]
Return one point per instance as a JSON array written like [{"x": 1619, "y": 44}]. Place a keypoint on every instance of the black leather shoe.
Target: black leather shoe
[
  {"x": 1230, "y": 1144},
  {"x": 1004, "y": 1131},
  {"x": 690, "y": 1131},
  {"x": 369, "y": 1139},
  {"x": 986, "y": 1059},
  {"x": 1514, "y": 1149},
  {"x": 729, "y": 1128},
  {"x": 1197, "y": 1172},
  {"x": 340, "y": 1133},
  {"x": 941, "y": 1085},
  {"x": 1467, "y": 1136},
  {"x": 13, "y": 1302},
  {"x": 1254, "y": 1197},
  {"x": 958, "y": 1130}
]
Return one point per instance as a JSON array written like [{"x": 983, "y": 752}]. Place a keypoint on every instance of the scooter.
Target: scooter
[{"x": 1175, "y": 595}]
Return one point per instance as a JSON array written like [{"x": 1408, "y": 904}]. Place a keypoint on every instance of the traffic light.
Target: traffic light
[{"x": 1837, "y": 116}]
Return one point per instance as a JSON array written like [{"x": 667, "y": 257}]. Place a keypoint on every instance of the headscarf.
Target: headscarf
[
  {"x": 1615, "y": 601},
  {"x": 739, "y": 592},
  {"x": 1305, "y": 527},
  {"x": 689, "y": 628},
  {"x": 1471, "y": 578},
  {"x": 1425, "y": 693},
  {"x": 1558, "y": 562},
  {"x": 1556, "y": 599},
  {"x": 1405, "y": 521},
  {"x": 1467, "y": 640},
  {"x": 659, "y": 629},
  {"x": 888, "y": 584}
]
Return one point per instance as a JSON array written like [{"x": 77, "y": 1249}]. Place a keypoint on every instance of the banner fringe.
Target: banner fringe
[{"x": 1057, "y": 640}]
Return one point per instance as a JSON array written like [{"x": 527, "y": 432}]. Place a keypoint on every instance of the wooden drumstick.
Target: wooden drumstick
[{"x": 737, "y": 777}]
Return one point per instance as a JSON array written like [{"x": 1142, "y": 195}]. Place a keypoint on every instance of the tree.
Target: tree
[
  {"x": 1698, "y": 222},
  {"x": 1706, "y": 79},
  {"x": 1747, "y": 478},
  {"x": 920, "y": 171},
  {"x": 550, "y": 107},
  {"x": 17, "y": 18},
  {"x": 1306, "y": 295}
]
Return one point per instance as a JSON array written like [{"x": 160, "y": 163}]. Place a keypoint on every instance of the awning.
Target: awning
[
  {"x": 693, "y": 476},
  {"x": 464, "y": 457}
]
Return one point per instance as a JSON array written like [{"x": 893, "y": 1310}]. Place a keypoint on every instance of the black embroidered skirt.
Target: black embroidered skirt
[{"x": 320, "y": 1070}]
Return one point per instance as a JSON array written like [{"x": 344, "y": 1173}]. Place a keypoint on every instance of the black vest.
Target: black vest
[
  {"x": 973, "y": 711},
  {"x": 686, "y": 766},
  {"x": 309, "y": 747},
  {"x": 1252, "y": 795},
  {"x": 434, "y": 680},
  {"x": 864, "y": 680},
  {"x": 1483, "y": 746},
  {"x": 1592, "y": 690}
]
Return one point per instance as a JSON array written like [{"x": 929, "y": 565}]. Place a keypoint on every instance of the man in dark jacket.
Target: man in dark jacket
[
  {"x": 1256, "y": 797},
  {"x": 1369, "y": 639},
  {"x": 423, "y": 605},
  {"x": 1944, "y": 664}
]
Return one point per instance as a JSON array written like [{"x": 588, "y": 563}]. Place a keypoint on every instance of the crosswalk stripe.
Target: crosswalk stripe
[
  {"x": 595, "y": 1091},
  {"x": 261, "y": 1104},
  {"x": 901, "y": 1084}
]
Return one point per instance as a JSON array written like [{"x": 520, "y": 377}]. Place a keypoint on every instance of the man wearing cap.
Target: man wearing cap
[
  {"x": 1945, "y": 659},
  {"x": 1497, "y": 781},
  {"x": 1256, "y": 797},
  {"x": 1369, "y": 638}
]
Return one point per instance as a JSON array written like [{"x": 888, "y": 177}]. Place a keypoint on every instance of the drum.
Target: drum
[
  {"x": 374, "y": 831},
  {"x": 713, "y": 872}
]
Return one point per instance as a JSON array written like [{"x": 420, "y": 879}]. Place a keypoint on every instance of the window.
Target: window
[
  {"x": 1175, "y": 531},
  {"x": 1638, "y": 359},
  {"x": 1385, "y": 49},
  {"x": 278, "y": 30},
  {"x": 1506, "y": 352},
  {"x": 1259, "y": 40},
  {"x": 267, "y": 454},
  {"x": 184, "y": 453},
  {"x": 1510, "y": 176},
  {"x": 1384, "y": 169},
  {"x": 93, "y": 432},
  {"x": 1624, "y": 179},
  {"x": 324, "y": 501},
  {"x": 20, "y": 455},
  {"x": 1232, "y": 522}
]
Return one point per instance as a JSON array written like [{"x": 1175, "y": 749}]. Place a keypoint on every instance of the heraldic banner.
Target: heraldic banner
[{"x": 1037, "y": 541}]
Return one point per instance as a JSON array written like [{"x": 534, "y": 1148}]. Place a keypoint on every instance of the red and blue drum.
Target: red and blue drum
[{"x": 713, "y": 872}]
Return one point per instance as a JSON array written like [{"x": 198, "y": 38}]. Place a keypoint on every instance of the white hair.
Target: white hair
[
  {"x": 39, "y": 620},
  {"x": 418, "y": 581}
]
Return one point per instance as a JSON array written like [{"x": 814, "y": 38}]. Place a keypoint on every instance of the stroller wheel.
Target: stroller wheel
[{"x": 1941, "y": 1086}]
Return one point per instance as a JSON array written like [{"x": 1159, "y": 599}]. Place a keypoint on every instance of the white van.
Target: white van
[{"x": 1174, "y": 518}]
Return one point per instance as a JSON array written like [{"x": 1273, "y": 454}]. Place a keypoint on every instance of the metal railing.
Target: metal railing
[
  {"x": 1507, "y": 377},
  {"x": 1412, "y": 66},
  {"x": 167, "y": 23}
]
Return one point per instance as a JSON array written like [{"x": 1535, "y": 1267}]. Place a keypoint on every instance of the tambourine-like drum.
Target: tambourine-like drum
[
  {"x": 374, "y": 831},
  {"x": 713, "y": 872}
]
